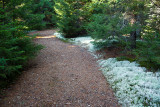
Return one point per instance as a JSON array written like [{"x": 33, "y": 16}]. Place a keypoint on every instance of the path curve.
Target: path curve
[{"x": 62, "y": 75}]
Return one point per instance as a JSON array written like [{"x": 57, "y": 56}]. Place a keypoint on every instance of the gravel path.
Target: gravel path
[{"x": 62, "y": 75}]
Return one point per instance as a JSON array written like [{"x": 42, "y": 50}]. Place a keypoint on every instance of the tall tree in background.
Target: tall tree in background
[{"x": 137, "y": 11}]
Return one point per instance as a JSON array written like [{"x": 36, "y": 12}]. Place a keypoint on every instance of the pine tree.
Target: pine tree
[
  {"x": 15, "y": 47},
  {"x": 69, "y": 15}
]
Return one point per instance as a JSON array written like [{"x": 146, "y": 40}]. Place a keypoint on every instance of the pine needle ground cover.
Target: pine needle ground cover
[{"x": 133, "y": 85}]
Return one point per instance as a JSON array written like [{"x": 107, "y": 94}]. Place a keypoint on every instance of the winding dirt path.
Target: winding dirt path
[{"x": 62, "y": 75}]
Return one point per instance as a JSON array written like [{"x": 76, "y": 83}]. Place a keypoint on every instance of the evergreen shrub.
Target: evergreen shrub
[
  {"x": 148, "y": 53},
  {"x": 16, "y": 48},
  {"x": 108, "y": 30},
  {"x": 35, "y": 21},
  {"x": 69, "y": 19}
]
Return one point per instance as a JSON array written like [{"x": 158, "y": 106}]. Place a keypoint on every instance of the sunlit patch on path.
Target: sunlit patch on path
[{"x": 50, "y": 36}]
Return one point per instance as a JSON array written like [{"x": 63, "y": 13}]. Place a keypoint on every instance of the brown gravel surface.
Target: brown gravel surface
[{"x": 62, "y": 75}]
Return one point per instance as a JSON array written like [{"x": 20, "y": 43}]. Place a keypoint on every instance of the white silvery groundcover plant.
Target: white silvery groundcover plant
[{"x": 133, "y": 86}]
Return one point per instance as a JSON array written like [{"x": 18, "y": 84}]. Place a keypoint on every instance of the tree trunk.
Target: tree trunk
[{"x": 133, "y": 36}]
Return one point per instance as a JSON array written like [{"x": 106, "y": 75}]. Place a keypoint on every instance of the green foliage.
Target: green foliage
[
  {"x": 148, "y": 53},
  {"x": 108, "y": 29},
  {"x": 15, "y": 51},
  {"x": 110, "y": 22},
  {"x": 148, "y": 49},
  {"x": 36, "y": 14},
  {"x": 16, "y": 48},
  {"x": 67, "y": 40},
  {"x": 69, "y": 18},
  {"x": 39, "y": 14},
  {"x": 35, "y": 21},
  {"x": 122, "y": 58},
  {"x": 103, "y": 44},
  {"x": 120, "y": 23},
  {"x": 45, "y": 7}
]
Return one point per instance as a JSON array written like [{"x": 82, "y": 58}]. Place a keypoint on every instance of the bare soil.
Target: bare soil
[
  {"x": 114, "y": 52},
  {"x": 62, "y": 75}
]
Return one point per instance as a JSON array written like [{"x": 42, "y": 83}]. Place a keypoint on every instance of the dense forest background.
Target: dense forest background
[{"x": 132, "y": 25}]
